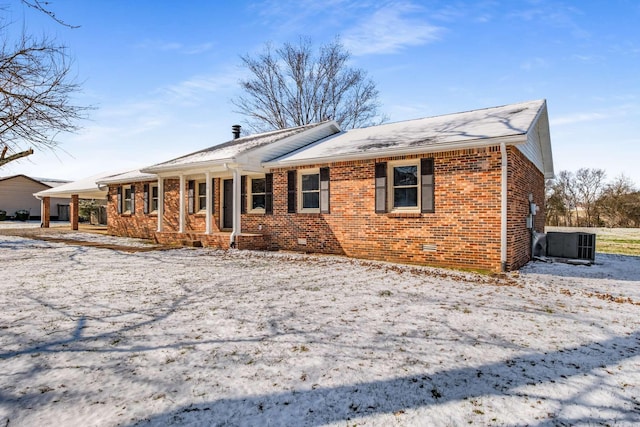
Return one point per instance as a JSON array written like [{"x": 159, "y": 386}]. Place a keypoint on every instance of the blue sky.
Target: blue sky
[{"x": 161, "y": 74}]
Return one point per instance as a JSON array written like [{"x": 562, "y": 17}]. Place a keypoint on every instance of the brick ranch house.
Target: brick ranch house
[{"x": 457, "y": 190}]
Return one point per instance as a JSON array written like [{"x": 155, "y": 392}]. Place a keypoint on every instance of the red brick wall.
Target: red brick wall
[
  {"x": 136, "y": 224},
  {"x": 523, "y": 179},
  {"x": 463, "y": 232},
  {"x": 143, "y": 225},
  {"x": 465, "y": 227}
]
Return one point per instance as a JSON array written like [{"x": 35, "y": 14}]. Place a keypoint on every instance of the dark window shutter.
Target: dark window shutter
[
  {"x": 119, "y": 200},
  {"x": 191, "y": 196},
  {"x": 213, "y": 195},
  {"x": 133, "y": 199},
  {"x": 268, "y": 197},
  {"x": 145, "y": 198},
  {"x": 324, "y": 190},
  {"x": 427, "y": 178},
  {"x": 292, "y": 177},
  {"x": 381, "y": 187},
  {"x": 243, "y": 194}
]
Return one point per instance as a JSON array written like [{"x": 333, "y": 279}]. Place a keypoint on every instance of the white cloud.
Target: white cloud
[
  {"x": 620, "y": 111},
  {"x": 175, "y": 47},
  {"x": 534, "y": 63},
  {"x": 577, "y": 118},
  {"x": 191, "y": 90},
  {"x": 391, "y": 29}
]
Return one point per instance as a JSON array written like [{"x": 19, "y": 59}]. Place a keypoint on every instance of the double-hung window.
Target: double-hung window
[
  {"x": 310, "y": 191},
  {"x": 154, "y": 198},
  {"x": 126, "y": 199},
  {"x": 258, "y": 195},
  {"x": 202, "y": 196},
  {"x": 405, "y": 186}
]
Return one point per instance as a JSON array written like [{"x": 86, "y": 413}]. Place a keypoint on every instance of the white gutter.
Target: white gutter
[
  {"x": 370, "y": 154},
  {"x": 503, "y": 209}
]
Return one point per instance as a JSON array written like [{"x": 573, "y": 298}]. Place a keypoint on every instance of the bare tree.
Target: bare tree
[
  {"x": 293, "y": 86},
  {"x": 36, "y": 86},
  {"x": 562, "y": 199},
  {"x": 589, "y": 185},
  {"x": 619, "y": 203}
]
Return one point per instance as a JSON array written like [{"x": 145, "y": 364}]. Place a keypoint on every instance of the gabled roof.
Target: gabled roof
[
  {"x": 509, "y": 123},
  {"x": 254, "y": 148},
  {"x": 37, "y": 181}
]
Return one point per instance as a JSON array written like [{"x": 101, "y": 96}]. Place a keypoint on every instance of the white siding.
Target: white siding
[{"x": 537, "y": 148}]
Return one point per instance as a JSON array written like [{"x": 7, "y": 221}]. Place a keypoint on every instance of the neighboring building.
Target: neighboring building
[
  {"x": 16, "y": 193},
  {"x": 455, "y": 190}
]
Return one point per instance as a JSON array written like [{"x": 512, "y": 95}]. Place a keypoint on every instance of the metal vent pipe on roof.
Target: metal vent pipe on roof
[{"x": 235, "y": 129}]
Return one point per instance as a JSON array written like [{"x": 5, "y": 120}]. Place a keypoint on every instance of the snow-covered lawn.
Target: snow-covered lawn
[{"x": 92, "y": 336}]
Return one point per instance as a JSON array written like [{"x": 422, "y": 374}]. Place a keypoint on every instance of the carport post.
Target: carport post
[
  {"x": 74, "y": 211},
  {"x": 45, "y": 212}
]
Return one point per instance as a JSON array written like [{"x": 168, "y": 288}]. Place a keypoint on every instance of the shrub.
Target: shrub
[{"x": 22, "y": 214}]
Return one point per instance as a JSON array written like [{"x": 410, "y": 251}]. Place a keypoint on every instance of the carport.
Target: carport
[{"x": 83, "y": 189}]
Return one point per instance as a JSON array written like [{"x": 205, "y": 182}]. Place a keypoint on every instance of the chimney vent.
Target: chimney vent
[{"x": 235, "y": 129}]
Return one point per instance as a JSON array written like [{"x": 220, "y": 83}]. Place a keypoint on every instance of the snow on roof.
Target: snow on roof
[
  {"x": 45, "y": 181},
  {"x": 84, "y": 188},
  {"x": 229, "y": 150},
  {"x": 52, "y": 182},
  {"x": 130, "y": 176},
  {"x": 451, "y": 131}
]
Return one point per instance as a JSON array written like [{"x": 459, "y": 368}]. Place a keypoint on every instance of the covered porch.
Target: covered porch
[{"x": 82, "y": 189}]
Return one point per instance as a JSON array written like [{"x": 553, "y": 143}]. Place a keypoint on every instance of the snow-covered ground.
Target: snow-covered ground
[{"x": 93, "y": 336}]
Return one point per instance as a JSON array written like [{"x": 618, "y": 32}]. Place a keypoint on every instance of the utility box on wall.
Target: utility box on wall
[{"x": 571, "y": 245}]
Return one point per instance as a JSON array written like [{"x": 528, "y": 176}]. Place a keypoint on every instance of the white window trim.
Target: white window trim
[
  {"x": 124, "y": 199},
  {"x": 391, "y": 187},
  {"x": 250, "y": 178},
  {"x": 153, "y": 211},
  {"x": 314, "y": 171}
]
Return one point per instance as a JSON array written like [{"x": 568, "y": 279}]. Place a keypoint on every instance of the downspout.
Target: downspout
[
  {"x": 237, "y": 200},
  {"x": 503, "y": 209}
]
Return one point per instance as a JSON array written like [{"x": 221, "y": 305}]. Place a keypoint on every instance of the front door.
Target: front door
[{"x": 227, "y": 203}]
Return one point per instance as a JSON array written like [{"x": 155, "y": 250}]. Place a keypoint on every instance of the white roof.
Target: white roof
[
  {"x": 126, "y": 177},
  {"x": 234, "y": 150},
  {"x": 508, "y": 123},
  {"x": 85, "y": 188}
]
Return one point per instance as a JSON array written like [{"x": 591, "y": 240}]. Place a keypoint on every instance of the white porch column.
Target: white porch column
[
  {"x": 160, "y": 204},
  {"x": 182, "y": 216},
  {"x": 207, "y": 177},
  {"x": 237, "y": 200}
]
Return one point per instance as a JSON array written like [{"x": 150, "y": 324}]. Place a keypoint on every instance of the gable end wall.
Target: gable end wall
[{"x": 524, "y": 178}]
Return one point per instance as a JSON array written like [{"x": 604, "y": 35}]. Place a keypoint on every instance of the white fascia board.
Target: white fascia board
[
  {"x": 125, "y": 181},
  {"x": 477, "y": 143},
  {"x": 83, "y": 194},
  {"x": 177, "y": 170}
]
